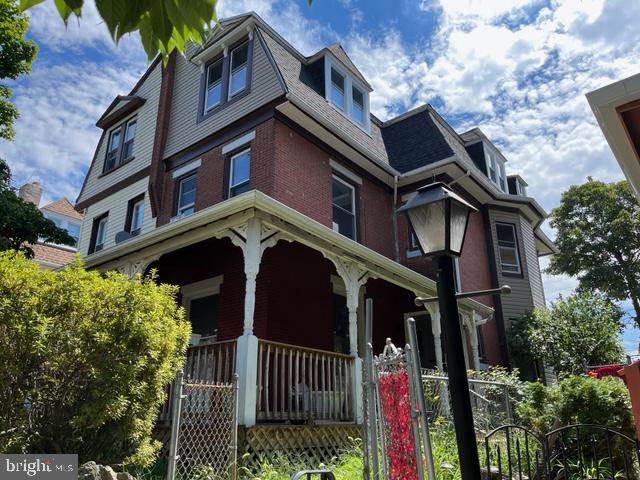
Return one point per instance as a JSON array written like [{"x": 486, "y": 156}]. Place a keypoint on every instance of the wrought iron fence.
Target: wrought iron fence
[
  {"x": 579, "y": 452},
  {"x": 204, "y": 431}
]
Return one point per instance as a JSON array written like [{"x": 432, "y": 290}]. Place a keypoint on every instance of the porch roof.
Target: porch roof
[{"x": 219, "y": 219}]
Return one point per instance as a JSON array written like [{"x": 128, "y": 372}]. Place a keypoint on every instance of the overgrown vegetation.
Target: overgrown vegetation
[
  {"x": 576, "y": 331},
  {"x": 85, "y": 360}
]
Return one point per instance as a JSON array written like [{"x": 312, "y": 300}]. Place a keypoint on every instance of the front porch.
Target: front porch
[{"x": 278, "y": 299}]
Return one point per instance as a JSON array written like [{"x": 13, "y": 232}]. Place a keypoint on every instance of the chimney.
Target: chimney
[{"x": 31, "y": 192}]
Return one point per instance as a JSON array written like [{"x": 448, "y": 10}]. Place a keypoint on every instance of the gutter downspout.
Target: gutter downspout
[{"x": 394, "y": 219}]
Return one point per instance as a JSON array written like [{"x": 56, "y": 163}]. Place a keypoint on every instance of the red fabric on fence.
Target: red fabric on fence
[
  {"x": 396, "y": 411},
  {"x": 607, "y": 371}
]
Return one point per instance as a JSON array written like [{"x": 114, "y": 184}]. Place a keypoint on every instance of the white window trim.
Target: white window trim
[
  {"x": 238, "y": 142},
  {"x": 349, "y": 81},
  {"x": 100, "y": 246},
  {"x": 353, "y": 202},
  {"x": 342, "y": 170},
  {"x": 180, "y": 214},
  {"x": 133, "y": 140},
  {"x": 230, "y": 95},
  {"x": 499, "y": 170},
  {"x": 516, "y": 248},
  {"x": 456, "y": 274},
  {"x": 133, "y": 215},
  {"x": 231, "y": 167},
  {"x": 186, "y": 168}
]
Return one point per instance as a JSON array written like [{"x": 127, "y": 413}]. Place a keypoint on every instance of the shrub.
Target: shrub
[
  {"x": 577, "y": 399},
  {"x": 85, "y": 360}
]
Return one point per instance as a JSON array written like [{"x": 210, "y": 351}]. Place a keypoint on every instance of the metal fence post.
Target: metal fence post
[
  {"x": 234, "y": 434},
  {"x": 176, "y": 410},
  {"x": 507, "y": 402}
]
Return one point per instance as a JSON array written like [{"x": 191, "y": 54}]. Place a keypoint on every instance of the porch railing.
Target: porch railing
[
  {"x": 296, "y": 383},
  {"x": 209, "y": 363}
]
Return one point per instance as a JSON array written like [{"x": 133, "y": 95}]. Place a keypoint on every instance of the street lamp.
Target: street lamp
[{"x": 439, "y": 220}]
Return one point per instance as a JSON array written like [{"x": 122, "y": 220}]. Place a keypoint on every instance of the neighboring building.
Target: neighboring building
[
  {"x": 258, "y": 181},
  {"x": 61, "y": 212},
  {"x": 617, "y": 109}
]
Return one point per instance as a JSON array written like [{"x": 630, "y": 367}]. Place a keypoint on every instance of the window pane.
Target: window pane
[
  {"x": 337, "y": 88},
  {"x": 115, "y": 140},
  {"x": 342, "y": 195},
  {"x": 214, "y": 85},
  {"x": 203, "y": 315},
  {"x": 131, "y": 131},
  {"x": 187, "y": 194},
  {"x": 238, "y": 80},
  {"x": 506, "y": 235},
  {"x": 237, "y": 190},
  {"x": 508, "y": 256},
  {"x": 102, "y": 232},
  {"x": 345, "y": 222},
  {"x": 136, "y": 216},
  {"x": 240, "y": 168},
  {"x": 74, "y": 231}
]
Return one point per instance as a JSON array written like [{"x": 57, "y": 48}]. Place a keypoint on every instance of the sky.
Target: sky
[{"x": 519, "y": 69}]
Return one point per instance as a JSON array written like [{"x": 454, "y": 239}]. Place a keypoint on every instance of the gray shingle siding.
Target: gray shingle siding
[
  {"x": 415, "y": 142},
  {"x": 184, "y": 129},
  {"x": 291, "y": 69},
  {"x": 145, "y": 132}
]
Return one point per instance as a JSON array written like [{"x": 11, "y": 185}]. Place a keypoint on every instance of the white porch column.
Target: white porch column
[
  {"x": 353, "y": 276},
  {"x": 475, "y": 349},
  {"x": 465, "y": 321},
  {"x": 436, "y": 331},
  {"x": 253, "y": 239}
]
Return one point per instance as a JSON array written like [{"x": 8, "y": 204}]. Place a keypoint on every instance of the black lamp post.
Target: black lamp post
[{"x": 439, "y": 219}]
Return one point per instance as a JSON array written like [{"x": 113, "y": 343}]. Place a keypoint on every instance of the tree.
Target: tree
[
  {"x": 164, "y": 25},
  {"x": 85, "y": 360},
  {"x": 598, "y": 227},
  {"x": 16, "y": 55},
  {"x": 583, "y": 329},
  {"x": 21, "y": 223}
]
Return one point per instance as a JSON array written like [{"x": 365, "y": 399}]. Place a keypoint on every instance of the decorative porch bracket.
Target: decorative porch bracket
[
  {"x": 137, "y": 266},
  {"x": 354, "y": 277},
  {"x": 253, "y": 238}
]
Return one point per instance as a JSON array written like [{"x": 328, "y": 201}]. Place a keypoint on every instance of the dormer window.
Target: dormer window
[
  {"x": 345, "y": 92},
  {"x": 496, "y": 170},
  {"x": 238, "y": 75},
  {"x": 337, "y": 89},
  {"x": 120, "y": 144},
  {"x": 521, "y": 189},
  {"x": 213, "y": 93}
]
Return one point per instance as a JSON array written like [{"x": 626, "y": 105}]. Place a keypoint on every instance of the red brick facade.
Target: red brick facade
[{"x": 294, "y": 302}]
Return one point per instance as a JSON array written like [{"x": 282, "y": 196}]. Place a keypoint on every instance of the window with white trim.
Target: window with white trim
[
  {"x": 520, "y": 188},
  {"x": 137, "y": 211},
  {"x": 496, "y": 169},
  {"x": 345, "y": 92},
  {"x": 112, "y": 149},
  {"x": 343, "y": 197},
  {"x": 200, "y": 301},
  {"x": 508, "y": 248},
  {"x": 239, "y": 173},
  {"x": 101, "y": 233},
  {"x": 456, "y": 274},
  {"x": 213, "y": 90},
  {"x": 238, "y": 69},
  {"x": 129, "y": 137},
  {"x": 120, "y": 144},
  {"x": 186, "y": 196},
  {"x": 414, "y": 245}
]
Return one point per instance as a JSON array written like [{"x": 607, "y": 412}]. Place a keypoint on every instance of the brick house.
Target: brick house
[{"x": 257, "y": 180}]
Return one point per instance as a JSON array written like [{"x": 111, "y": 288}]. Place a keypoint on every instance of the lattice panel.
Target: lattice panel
[{"x": 309, "y": 444}]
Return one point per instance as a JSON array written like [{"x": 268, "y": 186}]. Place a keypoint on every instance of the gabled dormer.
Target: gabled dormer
[
  {"x": 487, "y": 157},
  {"x": 517, "y": 185},
  {"x": 332, "y": 74}
]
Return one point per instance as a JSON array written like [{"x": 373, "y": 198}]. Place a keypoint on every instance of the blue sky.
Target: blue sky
[{"x": 517, "y": 68}]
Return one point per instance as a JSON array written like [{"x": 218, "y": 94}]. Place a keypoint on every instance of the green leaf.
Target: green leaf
[
  {"x": 26, "y": 4},
  {"x": 65, "y": 11}
]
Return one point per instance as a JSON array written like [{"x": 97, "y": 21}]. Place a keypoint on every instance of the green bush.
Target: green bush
[
  {"x": 577, "y": 399},
  {"x": 85, "y": 360}
]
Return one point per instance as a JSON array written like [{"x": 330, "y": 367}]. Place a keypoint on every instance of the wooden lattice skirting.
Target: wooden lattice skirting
[{"x": 309, "y": 445}]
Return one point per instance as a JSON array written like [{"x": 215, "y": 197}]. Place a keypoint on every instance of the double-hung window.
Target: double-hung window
[
  {"x": 239, "y": 173},
  {"x": 213, "y": 92},
  {"x": 120, "y": 144},
  {"x": 129, "y": 137},
  {"x": 135, "y": 215},
  {"x": 238, "y": 69},
  {"x": 113, "y": 147},
  {"x": 344, "y": 207},
  {"x": 98, "y": 233},
  {"x": 413, "y": 240},
  {"x": 337, "y": 89},
  {"x": 357, "y": 105},
  {"x": 508, "y": 248},
  {"x": 186, "y": 196},
  {"x": 493, "y": 168}
]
